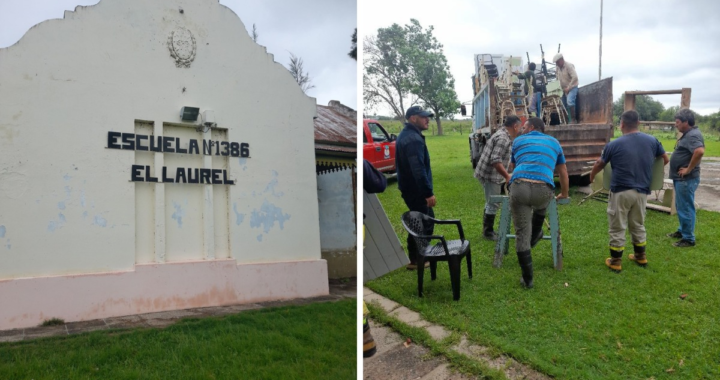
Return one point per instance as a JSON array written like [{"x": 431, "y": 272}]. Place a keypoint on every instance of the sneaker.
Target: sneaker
[
  {"x": 413, "y": 266},
  {"x": 642, "y": 262},
  {"x": 614, "y": 264},
  {"x": 684, "y": 243},
  {"x": 675, "y": 235}
]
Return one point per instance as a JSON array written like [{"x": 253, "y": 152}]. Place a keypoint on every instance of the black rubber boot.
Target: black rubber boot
[
  {"x": 488, "y": 222},
  {"x": 537, "y": 229},
  {"x": 525, "y": 259},
  {"x": 571, "y": 115}
]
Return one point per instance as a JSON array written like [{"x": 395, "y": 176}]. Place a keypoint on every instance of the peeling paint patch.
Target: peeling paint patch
[
  {"x": 61, "y": 205},
  {"x": 259, "y": 237},
  {"x": 84, "y": 214},
  {"x": 61, "y": 218},
  {"x": 8, "y": 245},
  {"x": 100, "y": 221},
  {"x": 239, "y": 217},
  {"x": 178, "y": 214},
  {"x": 82, "y": 198},
  {"x": 242, "y": 161},
  {"x": 68, "y": 190},
  {"x": 267, "y": 216},
  {"x": 2, "y": 231},
  {"x": 52, "y": 226},
  {"x": 67, "y": 177},
  {"x": 270, "y": 188}
]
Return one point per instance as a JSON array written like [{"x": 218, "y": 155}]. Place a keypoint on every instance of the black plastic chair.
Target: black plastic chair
[{"x": 451, "y": 251}]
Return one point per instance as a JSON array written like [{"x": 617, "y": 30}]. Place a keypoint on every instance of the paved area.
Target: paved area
[
  {"x": 338, "y": 290},
  {"x": 395, "y": 360}
]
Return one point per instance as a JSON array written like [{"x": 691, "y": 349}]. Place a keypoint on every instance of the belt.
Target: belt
[{"x": 530, "y": 180}]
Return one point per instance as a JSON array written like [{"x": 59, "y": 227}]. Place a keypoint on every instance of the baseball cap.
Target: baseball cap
[
  {"x": 417, "y": 110},
  {"x": 557, "y": 57}
]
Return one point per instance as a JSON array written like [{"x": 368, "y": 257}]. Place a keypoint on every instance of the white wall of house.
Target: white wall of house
[{"x": 67, "y": 203}]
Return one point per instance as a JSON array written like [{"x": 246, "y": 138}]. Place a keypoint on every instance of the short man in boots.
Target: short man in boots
[
  {"x": 491, "y": 171},
  {"x": 414, "y": 175},
  {"x": 632, "y": 156},
  {"x": 568, "y": 78},
  {"x": 535, "y": 157},
  {"x": 685, "y": 173}
]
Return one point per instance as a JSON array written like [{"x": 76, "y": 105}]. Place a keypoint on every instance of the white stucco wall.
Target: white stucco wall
[{"x": 67, "y": 205}]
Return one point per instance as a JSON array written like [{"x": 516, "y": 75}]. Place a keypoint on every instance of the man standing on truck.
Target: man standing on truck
[
  {"x": 685, "y": 173},
  {"x": 491, "y": 171},
  {"x": 532, "y": 89},
  {"x": 535, "y": 157},
  {"x": 568, "y": 78},
  {"x": 632, "y": 156},
  {"x": 414, "y": 175}
]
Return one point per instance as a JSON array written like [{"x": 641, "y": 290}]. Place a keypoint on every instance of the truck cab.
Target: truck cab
[{"x": 378, "y": 146}]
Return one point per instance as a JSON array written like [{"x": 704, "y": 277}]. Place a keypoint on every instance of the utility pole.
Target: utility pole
[{"x": 600, "y": 57}]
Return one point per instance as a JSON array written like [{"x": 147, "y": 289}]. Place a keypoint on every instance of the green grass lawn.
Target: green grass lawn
[
  {"x": 316, "y": 341},
  {"x": 668, "y": 140},
  {"x": 602, "y": 325}
]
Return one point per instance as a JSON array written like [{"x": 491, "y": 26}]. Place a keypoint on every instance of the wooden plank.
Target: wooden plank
[
  {"x": 685, "y": 98},
  {"x": 654, "y": 92},
  {"x": 629, "y": 102},
  {"x": 382, "y": 252},
  {"x": 655, "y": 207}
]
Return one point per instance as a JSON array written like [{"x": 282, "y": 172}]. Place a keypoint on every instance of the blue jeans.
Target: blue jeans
[
  {"x": 685, "y": 205},
  {"x": 569, "y": 99}
]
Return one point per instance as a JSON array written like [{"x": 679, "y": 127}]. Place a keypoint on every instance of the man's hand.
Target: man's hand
[
  {"x": 431, "y": 201},
  {"x": 565, "y": 90},
  {"x": 592, "y": 177},
  {"x": 683, "y": 171},
  {"x": 507, "y": 178}
]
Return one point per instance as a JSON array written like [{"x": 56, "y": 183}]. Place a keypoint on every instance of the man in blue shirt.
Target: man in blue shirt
[
  {"x": 414, "y": 175},
  {"x": 685, "y": 173},
  {"x": 632, "y": 156},
  {"x": 535, "y": 156}
]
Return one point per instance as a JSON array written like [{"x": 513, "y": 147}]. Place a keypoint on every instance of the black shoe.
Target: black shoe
[
  {"x": 537, "y": 229},
  {"x": 675, "y": 235},
  {"x": 488, "y": 222},
  {"x": 684, "y": 243}
]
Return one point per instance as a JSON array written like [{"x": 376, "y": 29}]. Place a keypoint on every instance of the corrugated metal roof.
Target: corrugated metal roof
[
  {"x": 336, "y": 148},
  {"x": 335, "y": 127}
]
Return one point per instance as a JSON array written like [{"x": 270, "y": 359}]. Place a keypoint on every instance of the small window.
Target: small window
[{"x": 378, "y": 133}]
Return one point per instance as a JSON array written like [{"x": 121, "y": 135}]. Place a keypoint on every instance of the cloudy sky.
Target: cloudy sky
[
  {"x": 646, "y": 44},
  {"x": 318, "y": 31}
]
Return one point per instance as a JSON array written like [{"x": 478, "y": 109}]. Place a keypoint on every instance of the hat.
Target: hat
[
  {"x": 417, "y": 110},
  {"x": 557, "y": 57}
]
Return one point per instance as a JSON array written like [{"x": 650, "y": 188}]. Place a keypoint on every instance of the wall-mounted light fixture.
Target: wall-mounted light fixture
[{"x": 189, "y": 113}]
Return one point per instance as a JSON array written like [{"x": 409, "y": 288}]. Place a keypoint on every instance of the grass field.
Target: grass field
[
  {"x": 316, "y": 341},
  {"x": 583, "y": 322}
]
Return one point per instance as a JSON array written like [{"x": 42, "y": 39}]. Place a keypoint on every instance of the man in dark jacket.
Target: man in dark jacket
[{"x": 414, "y": 175}]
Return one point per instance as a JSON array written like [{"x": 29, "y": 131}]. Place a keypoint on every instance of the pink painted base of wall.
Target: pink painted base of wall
[{"x": 149, "y": 288}]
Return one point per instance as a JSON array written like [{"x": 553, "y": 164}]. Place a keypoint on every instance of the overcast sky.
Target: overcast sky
[
  {"x": 318, "y": 31},
  {"x": 646, "y": 44}
]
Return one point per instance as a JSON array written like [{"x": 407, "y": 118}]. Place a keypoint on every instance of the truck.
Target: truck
[
  {"x": 379, "y": 146},
  {"x": 499, "y": 93}
]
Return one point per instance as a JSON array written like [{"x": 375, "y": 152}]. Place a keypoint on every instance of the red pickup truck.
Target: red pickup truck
[{"x": 378, "y": 146}]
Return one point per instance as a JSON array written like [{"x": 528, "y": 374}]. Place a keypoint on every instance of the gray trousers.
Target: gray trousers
[
  {"x": 491, "y": 189},
  {"x": 626, "y": 210},
  {"x": 526, "y": 197}
]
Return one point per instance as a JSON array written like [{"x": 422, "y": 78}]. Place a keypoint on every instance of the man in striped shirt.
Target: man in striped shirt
[{"x": 535, "y": 157}]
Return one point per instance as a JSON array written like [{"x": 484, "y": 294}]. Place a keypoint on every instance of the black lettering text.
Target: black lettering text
[
  {"x": 128, "y": 142},
  {"x": 165, "y": 177},
  {"x": 244, "y": 150},
  {"x": 235, "y": 149},
  {"x": 148, "y": 177},
  {"x": 156, "y": 147},
  {"x": 177, "y": 146},
  {"x": 180, "y": 173},
  {"x": 138, "y": 145},
  {"x": 190, "y": 177},
  {"x": 205, "y": 176},
  {"x": 167, "y": 145},
  {"x": 225, "y": 148},
  {"x": 194, "y": 147},
  {"x": 136, "y": 173},
  {"x": 207, "y": 147},
  {"x": 227, "y": 181},
  {"x": 112, "y": 140},
  {"x": 216, "y": 176}
]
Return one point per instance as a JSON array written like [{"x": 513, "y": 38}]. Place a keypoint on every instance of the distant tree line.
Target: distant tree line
[{"x": 652, "y": 110}]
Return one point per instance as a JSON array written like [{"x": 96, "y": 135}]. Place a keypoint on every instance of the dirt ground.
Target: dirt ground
[{"x": 707, "y": 195}]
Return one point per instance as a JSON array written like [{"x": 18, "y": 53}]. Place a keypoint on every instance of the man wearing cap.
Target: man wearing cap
[
  {"x": 414, "y": 175},
  {"x": 568, "y": 82}
]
